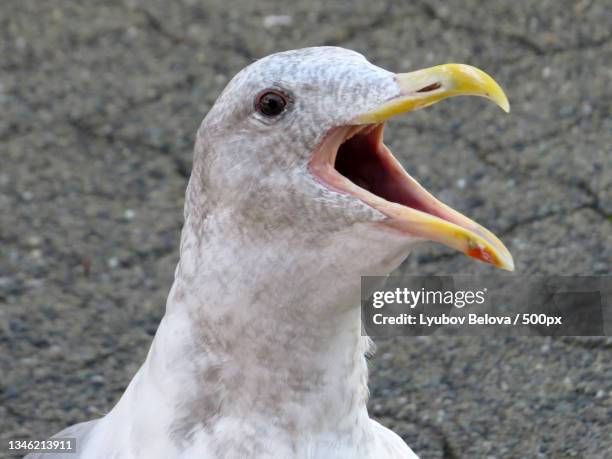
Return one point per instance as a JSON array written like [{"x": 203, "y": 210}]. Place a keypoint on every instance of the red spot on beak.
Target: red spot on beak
[{"x": 482, "y": 254}]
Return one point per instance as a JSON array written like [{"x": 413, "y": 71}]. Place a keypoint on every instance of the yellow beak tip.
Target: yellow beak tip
[
  {"x": 504, "y": 104},
  {"x": 507, "y": 265},
  {"x": 501, "y": 100}
]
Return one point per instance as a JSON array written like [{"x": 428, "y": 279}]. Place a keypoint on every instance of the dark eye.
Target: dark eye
[{"x": 271, "y": 103}]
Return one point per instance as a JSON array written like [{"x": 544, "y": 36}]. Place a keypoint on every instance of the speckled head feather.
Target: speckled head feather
[{"x": 255, "y": 161}]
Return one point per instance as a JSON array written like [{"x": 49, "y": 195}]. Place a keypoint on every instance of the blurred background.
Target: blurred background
[{"x": 99, "y": 104}]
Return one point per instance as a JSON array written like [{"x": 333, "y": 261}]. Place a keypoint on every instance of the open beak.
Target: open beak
[{"x": 354, "y": 160}]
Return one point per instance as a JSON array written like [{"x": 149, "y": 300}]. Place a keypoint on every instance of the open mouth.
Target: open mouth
[
  {"x": 363, "y": 159},
  {"x": 354, "y": 160}
]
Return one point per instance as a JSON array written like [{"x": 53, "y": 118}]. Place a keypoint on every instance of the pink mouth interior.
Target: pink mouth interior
[{"x": 366, "y": 162}]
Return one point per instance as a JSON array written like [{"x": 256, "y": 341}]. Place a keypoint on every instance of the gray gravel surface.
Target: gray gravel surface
[{"x": 99, "y": 105}]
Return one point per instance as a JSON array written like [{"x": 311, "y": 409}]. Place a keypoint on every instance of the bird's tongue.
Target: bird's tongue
[{"x": 356, "y": 161}]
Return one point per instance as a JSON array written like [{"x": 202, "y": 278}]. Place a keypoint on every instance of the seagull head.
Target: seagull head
[{"x": 296, "y": 141}]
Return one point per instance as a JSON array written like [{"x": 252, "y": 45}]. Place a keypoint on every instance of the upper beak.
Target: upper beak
[
  {"x": 426, "y": 87},
  {"x": 437, "y": 221}
]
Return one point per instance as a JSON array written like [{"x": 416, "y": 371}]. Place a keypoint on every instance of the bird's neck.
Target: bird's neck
[
  {"x": 263, "y": 336},
  {"x": 268, "y": 377}
]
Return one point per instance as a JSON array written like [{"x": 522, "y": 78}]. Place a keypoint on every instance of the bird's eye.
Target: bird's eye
[{"x": 271, "y": 103}]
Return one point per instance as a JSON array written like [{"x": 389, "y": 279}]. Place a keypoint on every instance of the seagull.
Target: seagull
[{"x": 292, "y": 198}]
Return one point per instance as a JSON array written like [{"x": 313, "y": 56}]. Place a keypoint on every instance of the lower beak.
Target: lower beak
[{"x": 434, "y": 220}]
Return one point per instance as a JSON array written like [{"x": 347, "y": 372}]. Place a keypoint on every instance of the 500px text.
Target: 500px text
[{"x": 470, "y": 319}]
